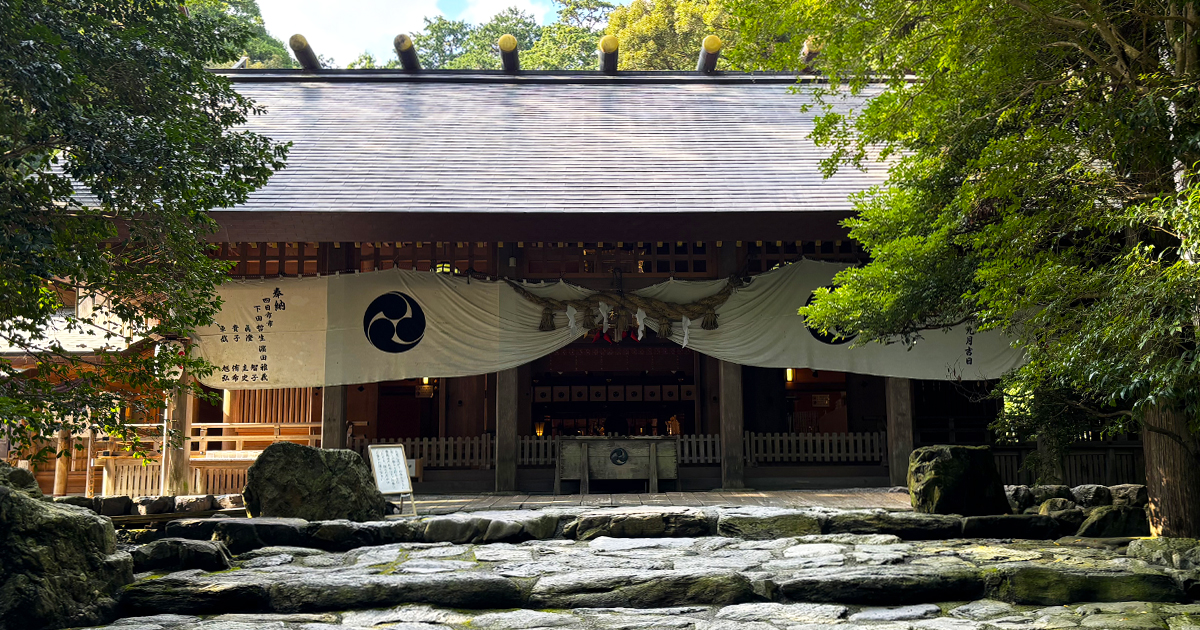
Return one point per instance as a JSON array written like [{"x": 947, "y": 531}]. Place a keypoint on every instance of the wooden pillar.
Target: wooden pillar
[
  {"x": 62, "y": 463},
  {"x": 899, "y": 428},
  {"x": 89, "y": 476},
  {"x": 175, "y": 469},
  {"x": 732, "y": 423},
  {"x": 333, "y": 417},
  {"x": 507, "y": 446}
]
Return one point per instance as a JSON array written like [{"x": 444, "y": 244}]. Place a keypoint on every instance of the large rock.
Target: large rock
[
  {"x": 956, "y": 480},
  {"x": 1044, "y": 493},
  {"x": 763, "y": 523},
  {"x": 906, "y": 525},
  {"x": 1020, "y": 498},
  {"x": 884, "y": 585},
  {"x": 1112, "y": 521},
  {"x": 316, "y": 592},
  {"x": 228, "y": 501},
  {"x": 194, "y": 503},
  {"x": 490, "y": 527},
  {"x": 1044, "y": 586},
  {"x": 245, "y": 534},
  {"x": 58, "y": 563},
  {"x": 294, "y": 481},
  {"x": 1054, "y": 505},
  {"x": 154, "y": 505},
  {"x": 83, "y": 502},
  {"x": 1177, "y": 553},
  {"x": 639, "y": 523},
  {"x": 1092, "y": 495},
  {"x": 1029, "y": 526},
  {"x": 1131, "y": 494},
  {"x": 178, "y": 554},
  {"x": 19, "y": 479},
  {"x": 603, "y": 588},
  {"x": 115, "y": 506}
]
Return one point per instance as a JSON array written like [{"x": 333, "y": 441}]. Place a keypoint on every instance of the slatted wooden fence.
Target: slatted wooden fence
[
  {"x": 440, "y": 452},
  {"x": 536, "y": 451},
  {"x": 127, "y": 476},
  {"x": 1105, "y": 463},
  {"x": 700, "y": 449},
  {"x": 771, "y": 448}
]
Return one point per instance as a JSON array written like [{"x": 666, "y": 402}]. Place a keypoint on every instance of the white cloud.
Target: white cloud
[{"x": 342, "y": 30}]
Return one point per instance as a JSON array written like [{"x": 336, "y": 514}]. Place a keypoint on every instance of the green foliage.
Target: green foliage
[
  {"x": 263, "y": 49},
  {"x": 567, "y": 44},
  {"x": 366, "y": 61},
  {"x": 114, "y": 141},
  {"x": 1044, "y": 182},
  {"x": 666, "y": 34}
]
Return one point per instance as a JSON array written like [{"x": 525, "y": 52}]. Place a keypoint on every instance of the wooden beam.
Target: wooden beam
[
  {"x": 899, "y": 428},
  {"x": 333, "y": 417},
  {"x": 62, "y": 463},
  {"x": 509, "y": 57},
  {"x": 304, "y": 53},
  {"x": 732, "y": 425},
  {"x": 710, "y": 51},
  {"x": 407, "y": 53},
  {"x": 607, "y": 51},
  {"x": 175, "y": 481},
  {"x": 507, "y": 442}
]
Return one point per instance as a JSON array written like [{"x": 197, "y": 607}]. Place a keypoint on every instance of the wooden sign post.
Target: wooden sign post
[{"x": 391, "y": 473}]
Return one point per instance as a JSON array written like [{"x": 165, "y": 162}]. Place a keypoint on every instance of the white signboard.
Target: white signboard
[{"x": 391, "y": 468}]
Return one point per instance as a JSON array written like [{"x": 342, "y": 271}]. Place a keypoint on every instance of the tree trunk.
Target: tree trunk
[{"x": 1172, "y": 475}]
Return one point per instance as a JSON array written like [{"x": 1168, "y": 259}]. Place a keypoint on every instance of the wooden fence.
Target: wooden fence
[
  {"x": 255, "y": 435},
  {"x": 760, "y": 449},
  {"x": 700, "y": 449},
  {"x": 536, "y": 451},
  {"x": 129, "y": 476},
  {"x": 771, "y": 448},
  {"x": 439, "y": 452},
  {"x": 1105, "y": 463}
]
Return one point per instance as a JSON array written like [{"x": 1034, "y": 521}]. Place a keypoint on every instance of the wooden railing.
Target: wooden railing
[
  {"x": 131, "y": 477},
  {"x": 439, "y": 452},
  {"x": 1105, "y": 463},
  {"x": 536, "y": 451},
  {"x": 238, "y": 434},
  {"x": 700, "y": 449},
  {"x": 769, "y": 448}
]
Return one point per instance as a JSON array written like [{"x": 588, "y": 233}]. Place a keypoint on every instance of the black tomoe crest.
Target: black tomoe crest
[
  {"x": 831, "y": 339},
  {"x": 394, "y": 322}
]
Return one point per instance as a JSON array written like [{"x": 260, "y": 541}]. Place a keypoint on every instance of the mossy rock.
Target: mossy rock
[
  {"x": 1050, "y": 587},
  {"x": 956, "y": 480}
]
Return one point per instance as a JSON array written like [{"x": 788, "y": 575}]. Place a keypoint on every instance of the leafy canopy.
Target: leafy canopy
[
  {"x": 263, "y": 49},
  {"x": 567, "y": 44},
  {"x": 114, "y": 141},
  {"x": 666, "y": 34},
  {"x": 1044, "y": 182}
]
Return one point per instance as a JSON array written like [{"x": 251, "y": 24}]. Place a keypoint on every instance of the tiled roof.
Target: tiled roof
[{"x": 364, "y": 144}]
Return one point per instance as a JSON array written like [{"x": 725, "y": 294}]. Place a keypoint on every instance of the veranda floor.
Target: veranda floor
[{"x": 845, "y": 498}]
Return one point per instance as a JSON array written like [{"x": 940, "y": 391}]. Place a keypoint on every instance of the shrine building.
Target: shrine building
[{"x": 607, "y": 181}]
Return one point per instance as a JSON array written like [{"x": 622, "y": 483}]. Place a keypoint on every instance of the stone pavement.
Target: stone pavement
[
  {"x": 686, "y": 568},
  {"x": 849, "y": 498}
]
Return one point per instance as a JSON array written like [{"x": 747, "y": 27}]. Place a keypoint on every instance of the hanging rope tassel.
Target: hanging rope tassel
[
  {"x": 664, "y": 328},
  {"x": 587, "y": 318},
  {"x": 622, "y": 325},
  {"x": 547, "y": 323},
  {"x": 710, "y": 320}
]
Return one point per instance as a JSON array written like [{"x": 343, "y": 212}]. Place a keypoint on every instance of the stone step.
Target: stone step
[
  {"x": 242, "y": 534},
  {"x": 975, "y": 615},
  {"x": 605, "y": 572}
]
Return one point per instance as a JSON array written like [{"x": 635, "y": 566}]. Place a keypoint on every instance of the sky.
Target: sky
[{"x": 343, "y": 29}]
